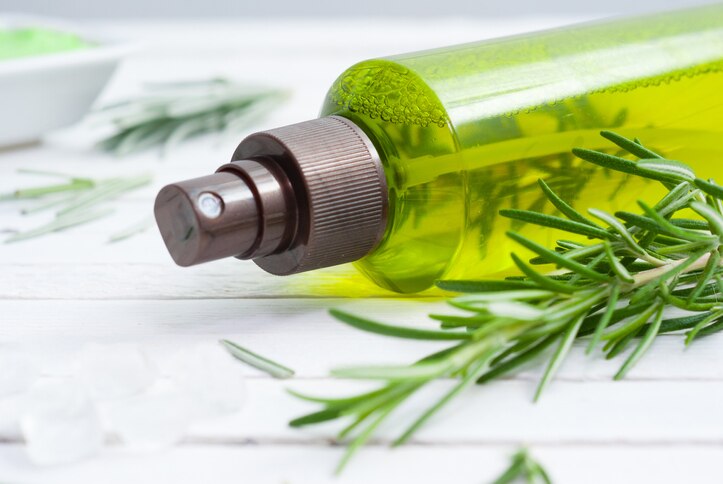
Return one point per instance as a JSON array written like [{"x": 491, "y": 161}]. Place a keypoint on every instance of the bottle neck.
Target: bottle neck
[{"x": 293, "y": 199}]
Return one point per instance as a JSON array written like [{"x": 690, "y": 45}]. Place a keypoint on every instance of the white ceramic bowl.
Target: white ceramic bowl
[{"x": 41, "y": 93}]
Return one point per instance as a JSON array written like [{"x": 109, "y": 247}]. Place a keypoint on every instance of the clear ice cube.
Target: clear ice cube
[
  {"x": 212, "y": 378},
  {"x": 60, "y": 424},
  {"x": 151, "y": 421},
  {"x": 10, "y": 408},
  {"x": 17, "y": 372},
  {"x": 115, "y": 370}
]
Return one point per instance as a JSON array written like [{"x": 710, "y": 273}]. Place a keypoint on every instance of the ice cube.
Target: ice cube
[
  {"x": 60, "y": 424},
  {"x": 151, "y": 421},
  {"x": 212, "y": 378},
  {"x": 17, "y": 372},
  {"x": 10, "y": 408},
  {"x": 115, "y": 370}
]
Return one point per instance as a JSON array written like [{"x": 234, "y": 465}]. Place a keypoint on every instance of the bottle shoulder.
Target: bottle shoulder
[{"x": 387, "y": 91}]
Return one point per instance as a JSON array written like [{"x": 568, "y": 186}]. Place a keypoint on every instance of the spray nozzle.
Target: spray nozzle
[{"x": 240, "y": 211}]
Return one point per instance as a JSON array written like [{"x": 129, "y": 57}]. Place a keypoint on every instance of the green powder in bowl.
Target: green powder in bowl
[{"x": 34, "y": 41}]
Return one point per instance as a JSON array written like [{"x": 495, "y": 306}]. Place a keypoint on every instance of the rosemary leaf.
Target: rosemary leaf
[
  {"x": 633, "y": 147},
  {"x": 478, "y": 367},
  {"x": 523, "y": 467},
  {"x": 165, "y": 114},
  {"x": 555, "y": 258},
  {"x": 710, "y": 188},
  {"x": 564, "y": 207},
  {"x": 702, "y": 325},
  {"x": 36, "y": 192},
  {"x": 276, "y": 370},
  {"x": 365, "y": 435},
  {"x": 643, "y": 346},
  {"x": 632, "y": 325},
  {"x": 708, "y": 272},
  {"x": 106, "y": 191},
  {"x": 128, "y": 232},
  {"x": 50, "y": 202},
  {"x": 483, "y": 286},
  {"x": 557, "y": 223},
  {"x": 626, "y": 166},
  {"x": 606, "y": 317},
  {"x": 76, "y": 202},
  {"x": 398, "y": 331},
  {"x": 560, "y": 354},
  {"x": 60, "y": 223},
  {"x": 543, "y": 281},
  {"x": 518, "y": 360}
]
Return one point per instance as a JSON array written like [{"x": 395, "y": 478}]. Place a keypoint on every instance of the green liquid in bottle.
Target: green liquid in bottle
[{"x": 466, "y": 131}]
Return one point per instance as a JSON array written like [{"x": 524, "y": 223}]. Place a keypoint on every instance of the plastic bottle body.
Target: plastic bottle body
[{"x": 466, "y": 131}]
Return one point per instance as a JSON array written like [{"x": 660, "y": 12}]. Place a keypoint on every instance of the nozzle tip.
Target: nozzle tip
[{"x": 207, "y": 218}]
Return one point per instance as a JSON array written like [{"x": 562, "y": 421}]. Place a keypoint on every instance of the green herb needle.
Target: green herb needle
[
  {"x": 60, "y": 223},
  {"x": 165, "y": 114},
  {"x": 523, "y": 468},
  {"x": 276, "y": 370},
  {"x": 132, "y": 230},
  {"x": 76, "y": 202}
]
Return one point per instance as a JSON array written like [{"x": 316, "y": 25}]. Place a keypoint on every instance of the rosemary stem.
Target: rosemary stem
[{"x": 644, "y": 277}]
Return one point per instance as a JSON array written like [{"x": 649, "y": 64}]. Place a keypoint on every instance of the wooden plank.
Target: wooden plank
[
  {"x": 422, "y": 465},
  {"x": 571, "y": 413},
  {"x": 288, "y": 329},
  {"x": 192, "y": 464},
  {"x": 164, "y": 280}
]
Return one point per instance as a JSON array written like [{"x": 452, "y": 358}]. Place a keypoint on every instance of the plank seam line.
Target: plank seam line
[
  {"x": 255, "y": 442},
  {"x": 511, "y": 379}
]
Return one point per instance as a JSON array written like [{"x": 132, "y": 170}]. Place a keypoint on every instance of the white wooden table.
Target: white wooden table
[{"x": 57, "y": 293}]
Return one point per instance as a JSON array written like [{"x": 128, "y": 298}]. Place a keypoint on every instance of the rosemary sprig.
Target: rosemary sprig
[
  {"x": 76, "y": 201},
  {"x": 523, "y": 468},
  {"x": 168, "y": 113},
  {"x": 612, "y": 283},
  {"x": 60, "y": 223}
]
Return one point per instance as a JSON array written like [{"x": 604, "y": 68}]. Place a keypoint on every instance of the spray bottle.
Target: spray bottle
[{"x": 414, "y": 155}]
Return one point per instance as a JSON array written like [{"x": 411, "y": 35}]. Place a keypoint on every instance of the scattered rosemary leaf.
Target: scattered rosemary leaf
[
  {"x": 276, "y": 370},
  {"x": 76, "y": 201},
  {"x": 60, "y": 223},
  {"x": 165, "y": 114},
  {"x": 72, "y": 185},
  {"x": 129, "y": 232},
  {"x": 36, "y": 192},
  {"x": 49, "y": 202},
  {"x": 106, "y": 190},
  {"x": 523, "y": 468}
]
